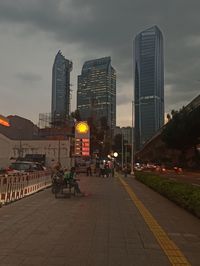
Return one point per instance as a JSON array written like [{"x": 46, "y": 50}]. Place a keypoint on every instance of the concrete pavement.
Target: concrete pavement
[{"x": 103, "y": 228}]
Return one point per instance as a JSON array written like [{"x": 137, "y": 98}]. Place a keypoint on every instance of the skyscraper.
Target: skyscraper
[
  {"x": 149, "y": 84},
  {"x": 60, "y": 106},
  {"x": 96, "y": 95}
]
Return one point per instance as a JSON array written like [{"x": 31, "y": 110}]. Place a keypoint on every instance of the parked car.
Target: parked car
[{"x": 26, "y": 166}]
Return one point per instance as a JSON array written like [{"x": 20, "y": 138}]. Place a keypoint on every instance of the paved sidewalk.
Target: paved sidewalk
[
  {"x": 181, "y": 226},
  {"x": 103, "y": 228}
]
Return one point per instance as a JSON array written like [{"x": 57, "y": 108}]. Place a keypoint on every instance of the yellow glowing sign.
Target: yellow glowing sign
[{"x": 82, "y": 127}]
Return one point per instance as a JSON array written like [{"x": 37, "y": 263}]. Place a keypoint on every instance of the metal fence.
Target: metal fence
[{"x": 19, "y": 185}]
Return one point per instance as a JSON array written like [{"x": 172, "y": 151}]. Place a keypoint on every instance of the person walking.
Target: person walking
[
  {"x": 125, "y": 170},
  {"x": 102, "y": 169},
  {"x": 89, "y": 170}
]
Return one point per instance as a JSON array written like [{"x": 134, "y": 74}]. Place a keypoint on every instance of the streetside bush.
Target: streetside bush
[{"x": 185, "y": 195}]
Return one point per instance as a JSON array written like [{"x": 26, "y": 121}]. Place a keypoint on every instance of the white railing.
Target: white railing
[{"x": 19, "y": 185}]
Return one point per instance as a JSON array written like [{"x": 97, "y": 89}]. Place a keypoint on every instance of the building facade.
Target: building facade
[
  {"x": 53, "y": 150},
  {"x": 127, "y": 134},
  {"x": 149, "y": 85},
  {"x": 96, "y": 94},
  {"x": 60, "y": 106}
]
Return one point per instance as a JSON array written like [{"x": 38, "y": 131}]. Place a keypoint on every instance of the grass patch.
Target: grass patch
[{"x": 185, "y": 195}]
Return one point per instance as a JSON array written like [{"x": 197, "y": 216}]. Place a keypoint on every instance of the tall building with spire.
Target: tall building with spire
[
  {"x": 149, "y": 85},
  {"x": 96, "y": 94},
  {"x": 60, "y": 105}
]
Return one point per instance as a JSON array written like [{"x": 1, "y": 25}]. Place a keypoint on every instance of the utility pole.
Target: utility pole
[
  {"x": 122, "y": 151},
  {"x": 59, "y": 150},
  {"x": 132, "y": 141},
  {"x": 126, "y": 154}
]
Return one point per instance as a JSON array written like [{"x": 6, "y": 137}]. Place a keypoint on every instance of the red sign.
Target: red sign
[{"x": 82, "y": 147}]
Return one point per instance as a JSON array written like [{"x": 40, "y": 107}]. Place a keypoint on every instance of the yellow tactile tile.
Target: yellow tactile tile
[{"x": 174, "y": 254}]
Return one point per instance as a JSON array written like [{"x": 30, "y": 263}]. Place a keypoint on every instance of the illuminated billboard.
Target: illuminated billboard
[
  {"x": 4, "y": 121},
  {"x": 82, "y": 139}
]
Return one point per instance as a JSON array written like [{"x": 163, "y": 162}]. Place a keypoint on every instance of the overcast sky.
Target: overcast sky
[{"x": 32, "y": 32}]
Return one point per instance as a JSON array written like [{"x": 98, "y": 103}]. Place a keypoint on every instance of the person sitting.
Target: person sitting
[
  {"x": 65, "y": 178},
  {"x": 55, "y": 168},
  {"x": 69, "y": 177}
]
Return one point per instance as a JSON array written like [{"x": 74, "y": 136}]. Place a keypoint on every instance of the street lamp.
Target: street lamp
[
  {"x": 122, "y": 162},
  {"x": 115, "y": 154}
]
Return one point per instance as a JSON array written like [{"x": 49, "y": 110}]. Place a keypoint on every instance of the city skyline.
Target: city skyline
[
  {"x": 149, "y": 84},
  {"x": 60, "y": 101},
  {"x": 30, "y": 39},
  {"x": 96, "y": 94}
]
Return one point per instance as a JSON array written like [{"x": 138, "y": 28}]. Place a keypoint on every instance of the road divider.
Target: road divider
[{"x": 19, "y": 185}]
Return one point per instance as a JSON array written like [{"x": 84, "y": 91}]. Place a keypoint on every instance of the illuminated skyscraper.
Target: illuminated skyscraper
[
  {"x": 96, "y": 95},
  {"x": 149, "y": 85},
  {"x": 60, "y": 106}
]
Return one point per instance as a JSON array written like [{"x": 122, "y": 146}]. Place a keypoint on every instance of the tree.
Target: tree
[
  {"x": 76, "y": 115},
  {"x": 183, "y": 130},
  {"x": 169, "y": 117}
]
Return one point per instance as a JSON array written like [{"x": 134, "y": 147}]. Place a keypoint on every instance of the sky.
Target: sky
[{"x": 32, "y": 32}]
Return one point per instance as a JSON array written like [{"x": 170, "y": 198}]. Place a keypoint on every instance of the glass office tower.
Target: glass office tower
[
  {"x": 149, "y": 85},
  {"x": 96, "y": 94},
  {"x": 60, "y": 106}
]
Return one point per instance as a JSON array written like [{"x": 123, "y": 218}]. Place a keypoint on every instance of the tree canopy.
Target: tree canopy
[{"x": 183, "y": 129}]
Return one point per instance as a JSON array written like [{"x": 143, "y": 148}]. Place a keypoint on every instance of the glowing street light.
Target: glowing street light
[{"x": 115, "y": 154}]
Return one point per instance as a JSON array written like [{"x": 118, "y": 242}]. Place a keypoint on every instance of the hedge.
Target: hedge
[{"x": 185, "y": 195}]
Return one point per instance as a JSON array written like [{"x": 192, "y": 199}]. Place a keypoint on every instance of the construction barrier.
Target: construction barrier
[{"x": 19, "y": 185}]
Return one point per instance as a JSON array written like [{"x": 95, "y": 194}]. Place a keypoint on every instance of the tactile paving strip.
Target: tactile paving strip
[{"x": 174, "y": 254}]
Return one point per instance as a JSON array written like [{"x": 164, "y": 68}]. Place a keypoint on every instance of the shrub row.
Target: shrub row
[{"x": 185, "y": 195}]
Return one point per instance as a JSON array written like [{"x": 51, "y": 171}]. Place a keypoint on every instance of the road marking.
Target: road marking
[{"x": 174, "y": 254}]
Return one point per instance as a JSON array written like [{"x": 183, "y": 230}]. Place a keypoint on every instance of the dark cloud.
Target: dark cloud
[
  {"x": 108, "y": 27},
  {"x": 29, "y": 77}
]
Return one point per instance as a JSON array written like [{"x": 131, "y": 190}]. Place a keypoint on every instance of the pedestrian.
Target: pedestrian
[
  {"x": 89, "y": 170},
  {"x": 112, "y": 168},
  {"x": 97, "y": 168},
  {"x": 66, "y": 176},
  {"x": 102, "y": 169},
  {"x": 107, "y": 170},
  {"x": 125, "y": 170},
  {"x": 55, "y": 168}
]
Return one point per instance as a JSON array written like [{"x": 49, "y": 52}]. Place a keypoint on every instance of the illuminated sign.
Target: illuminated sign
[
  {"x": 82, "y": 139},
  {"x": 82, "y": 147},
  {"x": 82, "y": 130},
  {"x": 4, "y": 121},
  {"x": 82, "y": 127}
]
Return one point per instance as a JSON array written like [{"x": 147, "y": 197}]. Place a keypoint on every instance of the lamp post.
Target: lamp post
[
  {"x": 59, "y": 150},
  {"x": 132, "y": 141},
  {"x": 115, "y": 155},
  {"x": 122, "y": 162},
  {"x": 125, "y": 155}
]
